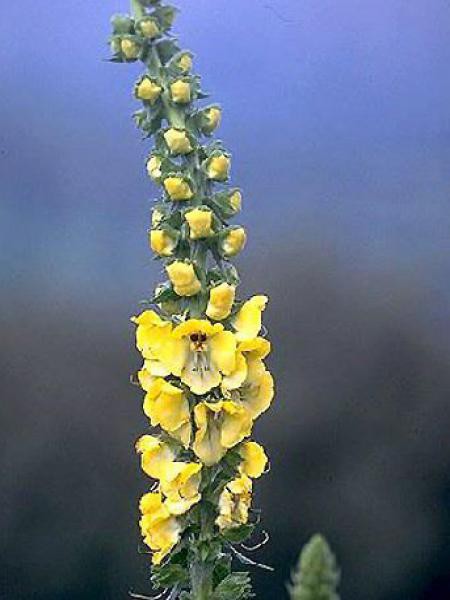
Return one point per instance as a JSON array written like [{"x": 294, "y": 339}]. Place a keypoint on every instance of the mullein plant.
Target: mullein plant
[
  {"x": 202, "y": 346},
  {"x": 317, "y": 575}
]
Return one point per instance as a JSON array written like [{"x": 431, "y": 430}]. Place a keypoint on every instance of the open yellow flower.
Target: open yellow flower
[
  {"x": 248, "y": 321},
  {"x": 183, "y": 278},
  {"x": 221, "y": 299},
  {"x": 218, "y": 167},
  {"x": 220, "y": 426},
  {"x": 200, "y": 353},
  {"x": 156, "y": 455},
  {"x": 233, "y": 241},
  {"x": 177, "y": 141},
  {"x": 161, "y": 242},
  {"x": 234, "y": 503},
  {"x": 257, "y": 347},
  {"x": 180, "y": 484},
  {"x": 254, "y": 459},
  {"x": 178, "y": 188},
  {"x": 148, "y": 90},
  {"x": 180, "y": 91},
  {"x": 257, "y": 391},
  {"x": 160, "y": 529},
  {"x": 166, "y": 405},
  {"x": 152, "y": 333},
  {"x": 200, "y": 223}
]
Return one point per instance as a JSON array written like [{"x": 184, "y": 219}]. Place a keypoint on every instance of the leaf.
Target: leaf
[
  {"x": 237, "y": 535},
  {"x": 236, "y": 586},
  {"x": 167, "y": 50},
  {"x": 222, "y": 568}
]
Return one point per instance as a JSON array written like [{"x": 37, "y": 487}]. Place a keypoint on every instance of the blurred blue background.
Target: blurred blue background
[{"x": 338, "y": 118}]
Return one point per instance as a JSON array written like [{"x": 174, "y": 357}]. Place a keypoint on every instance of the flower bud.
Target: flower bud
[
  {"x": 177, "y": 188},
  {"x": 148, "y": 27},
  {"x": 130, "y": 48},
  {"x": 221, "y": 300},
  {"x": 157, "y": 217},
  {"x": 122, "y": 24},
  {"x": 200, "y": 221},
  {"x": 115, "y": 45},
  {"x": 154, "y": 167},
  {"x": 212, "y": 118},
  {"x": 233, "y": 241},
  {"x": 218, "y": 167},
  {"x": 180, "y": 91},
  {"x": 184, "y": 63},
  {"x": 235, "y": 200},
  {"x": 162, "y": 242},
  {"x": 178, "y": 141},
  {"x": 183, "y": 278},
  {"x": 147, "y": 90}
]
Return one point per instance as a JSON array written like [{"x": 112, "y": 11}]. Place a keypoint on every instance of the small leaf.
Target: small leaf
[
  {"x": 236, "y": 586},
  {"x": 169, "y": 575},
  {"x": 237, "y": 535}
]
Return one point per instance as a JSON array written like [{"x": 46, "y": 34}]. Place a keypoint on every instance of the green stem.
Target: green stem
[{"x": 201, "y": 581}]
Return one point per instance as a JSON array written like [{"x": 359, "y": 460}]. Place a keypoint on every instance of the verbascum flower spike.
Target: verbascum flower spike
[{"x": 203, "y": 372}]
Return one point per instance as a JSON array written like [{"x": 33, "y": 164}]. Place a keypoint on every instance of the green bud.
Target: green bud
[{"x": 122, "y": 24}]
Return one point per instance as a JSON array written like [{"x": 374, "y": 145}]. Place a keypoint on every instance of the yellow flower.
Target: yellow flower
[
  {"x": 178, "y": 141},
  {"x": 183, "y": 278},
  {"x": 152, "y": 334},
  {"x": 149, "y": 28},
  {"x": 218, "y": 167},
  {"x": 220, "y": 426},
  {"x": 180, "y": 91},
  {"x": 180, "y": 484},
  {"x": 254, "y": 459},
  {"x": 154, "y": 167},
  {"x": 248, "y": 321},
  {"x": 130, "y": 49},
  {"x": 156, "y": 455},
  {"x": 185, "y": 63},
  {"x": 161, "y": 242},
  {"x": 160, "y": 530},
  {"x": 236, "y": 378},
  {"x": 257, "y": 347},
  {"x": 166, "y": 405},
  {"x": 257, "y": 391},
  {"x": 200, "y": 353},
  {"x": 233, "y": 241},
  {"x": 148, "y": 90},
  {"x": 221, "y": 299},
  {"x": 234, "y": 503},
  {"x": 145, "y": 378},
  {"x": 177, "y": 188},
  {"x": 200, "y": 222}
]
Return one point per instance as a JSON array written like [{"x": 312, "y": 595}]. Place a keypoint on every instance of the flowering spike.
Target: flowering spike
[
  {"x": 202, "y": 346},
  {"x": 316, "y": 576}
]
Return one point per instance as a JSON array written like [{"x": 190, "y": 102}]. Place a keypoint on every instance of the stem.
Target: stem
[{"x": 201, "y": 581}]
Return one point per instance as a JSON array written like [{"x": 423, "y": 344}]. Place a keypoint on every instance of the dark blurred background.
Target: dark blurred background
[{"x": 338, "y": 118}]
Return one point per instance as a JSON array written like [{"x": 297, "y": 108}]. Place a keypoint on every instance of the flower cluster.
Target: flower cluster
[{"x": 203, "y": 348}]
